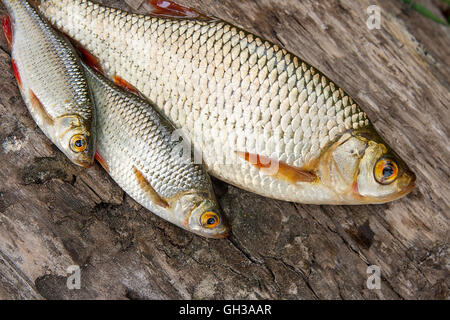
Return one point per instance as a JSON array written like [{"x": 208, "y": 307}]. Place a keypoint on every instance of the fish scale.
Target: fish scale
[{"x": 229, "y": 89}]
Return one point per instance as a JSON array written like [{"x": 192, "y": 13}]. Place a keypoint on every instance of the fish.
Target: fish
[
  {"x": 51, "y": 81},
  {"x": 139, "y": 149},
  {"x": 263, "y": 119}
]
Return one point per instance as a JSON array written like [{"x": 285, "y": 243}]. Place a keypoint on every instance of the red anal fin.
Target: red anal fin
[
  {"x": 147, "y": 187},
  {"x": 167, "y": 8},
  {"x": 91, "y": 60},
  {"x": 40, "y": 109},
  {"x": 125, "y": 84},
  {"x": 16, "y": 73},
  {"x": 7, "y": 29},
  {"x": 102, "y": 161},
  {"x": 278, "y": 169}
]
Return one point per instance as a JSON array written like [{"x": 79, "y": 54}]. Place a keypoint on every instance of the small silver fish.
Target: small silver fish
[
  {"x": 136, "y": 146},
  {"x": 52, "y": 81}
]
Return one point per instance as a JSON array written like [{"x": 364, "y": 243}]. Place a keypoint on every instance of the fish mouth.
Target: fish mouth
[
  {"x": 223, "y": 235},
  {"x": 84, "y": 163},
  {"x": 404, "y": 191},
  {"x": 411, "y": 185}
]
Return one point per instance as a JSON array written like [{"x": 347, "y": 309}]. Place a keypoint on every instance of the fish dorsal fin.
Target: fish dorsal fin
[
  {"x": 40, "y": 109},
  {"x": 145, "y": 185},
  {"x": 170, "y": 9},
  {"x": 278, "y": 169},
  {"x": 7, "y": 29}
]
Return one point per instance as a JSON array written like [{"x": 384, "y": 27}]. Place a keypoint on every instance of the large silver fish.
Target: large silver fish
[
  {"x": 264, "y": 120},
  {"x": 137, "y": 146},
  {"x": 51, "y": 81}
]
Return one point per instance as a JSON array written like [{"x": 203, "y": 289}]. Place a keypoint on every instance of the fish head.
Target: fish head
[
  {"x": 76, "y": 139},
  {"x": 363, "y": 169},
  {"x": 202, "y": 214}
]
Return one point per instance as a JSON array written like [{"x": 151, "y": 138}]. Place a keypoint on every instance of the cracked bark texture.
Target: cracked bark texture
[{"x": 53, "y": 214}]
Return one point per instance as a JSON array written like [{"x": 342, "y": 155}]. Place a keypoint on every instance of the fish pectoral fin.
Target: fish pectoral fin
[
  {"x": 145, "y": 185},
  {"x": 102, "y": 161},
  {"x": 40, "y": 109},
  {"x": 294, "y": 174},
  {"x": 279, "y": 169}
]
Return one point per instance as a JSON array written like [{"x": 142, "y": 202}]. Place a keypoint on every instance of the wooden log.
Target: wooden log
[{"x": 54, "y": 215}]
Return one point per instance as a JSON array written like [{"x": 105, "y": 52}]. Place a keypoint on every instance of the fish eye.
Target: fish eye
[
  {"x": 209, "y": 219},
  {"x": 385, "y": 171},
  {"x": 78, "y": 143}
]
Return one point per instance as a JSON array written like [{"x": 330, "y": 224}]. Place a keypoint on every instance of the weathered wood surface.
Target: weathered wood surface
[{"x": 53, "y": 215}]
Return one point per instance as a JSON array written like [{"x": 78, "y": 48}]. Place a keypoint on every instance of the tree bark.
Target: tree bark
[{"x": 53, "y": 214}]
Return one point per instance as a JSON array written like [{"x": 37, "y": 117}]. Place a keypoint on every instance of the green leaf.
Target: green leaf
[{"x": 425, "y": 12}]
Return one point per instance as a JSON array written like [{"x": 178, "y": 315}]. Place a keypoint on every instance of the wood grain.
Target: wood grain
[{"x": 53, "y": 215}]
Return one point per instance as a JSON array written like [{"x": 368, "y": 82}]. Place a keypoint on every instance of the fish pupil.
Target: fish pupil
[
  {"x": 388, "y": 171},
  {"x": 211, "y": 221},
  {"x": 79, "y": 143}
]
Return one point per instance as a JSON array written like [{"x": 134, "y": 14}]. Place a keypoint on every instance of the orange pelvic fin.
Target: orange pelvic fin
[
  {"x": 40, "y": 109},
  {"x": 7, "y": 29},
  {"x": 278, "y": 169},
  {"x": 167, "y": 8},
  {"x": 16, "y": 73},
  {"x": 91, "y": 60},
  {"x": 125, "y": 84},
  {"x": 102, "y": 162},
  {"x": 147, "y": 187}
]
